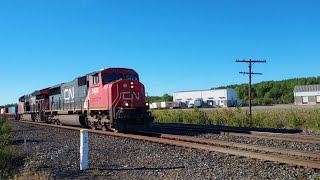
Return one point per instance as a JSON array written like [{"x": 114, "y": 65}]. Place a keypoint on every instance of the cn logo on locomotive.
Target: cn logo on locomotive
[
  {"x": 130, "y": 96},
  {"x": 69, "y": 94}
]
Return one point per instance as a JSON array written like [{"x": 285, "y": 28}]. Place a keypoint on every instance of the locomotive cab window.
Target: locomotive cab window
[
  {"x": 131, "y": 77},
  {"x": 95, "y": 79},
  {"x": 107, "y": 78}
]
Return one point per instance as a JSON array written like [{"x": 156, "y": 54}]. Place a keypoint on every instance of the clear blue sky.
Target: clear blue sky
[{"x": 174, "y": 44}]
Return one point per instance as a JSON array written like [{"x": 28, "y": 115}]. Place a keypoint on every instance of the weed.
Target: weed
[
  {"x": 7, "y": 156},
  {"x": 32, "y": 168},
  {"x": 304, "y": 119},
  {"x": 7, "y": 153},
  {"x": 28, "y": 174},
  {"x": 96, "y": 172}
]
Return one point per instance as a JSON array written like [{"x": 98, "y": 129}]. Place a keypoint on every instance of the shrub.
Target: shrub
[
  {"x": 8, "y": 154},
  {"x": 5, "y": 140},
  {"x": 7, "y": 157}
]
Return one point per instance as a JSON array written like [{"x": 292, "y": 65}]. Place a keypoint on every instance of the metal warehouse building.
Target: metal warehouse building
[
  {"x": 307, "y": 95},
  {"x": 209, "y": 98}
]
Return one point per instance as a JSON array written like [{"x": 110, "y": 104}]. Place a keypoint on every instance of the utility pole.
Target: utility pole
[{"x": 250, "y": 74}]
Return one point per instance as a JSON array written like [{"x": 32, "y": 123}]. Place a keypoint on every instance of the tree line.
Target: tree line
[
  {"x": 163, "y": 98},
  {"x": 272, "y": 92},
  {"x": 8, "y": 105}
]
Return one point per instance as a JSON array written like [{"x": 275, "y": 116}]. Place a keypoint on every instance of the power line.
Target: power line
[{"x": 250, "y": 74}]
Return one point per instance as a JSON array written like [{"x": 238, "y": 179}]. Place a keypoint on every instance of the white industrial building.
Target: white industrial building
[
  {"x": 208, "y": 98},
  {"x": 307, "y": 95}
]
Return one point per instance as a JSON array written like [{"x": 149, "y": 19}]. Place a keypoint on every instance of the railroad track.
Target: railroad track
[
  {"x": 251, "y": 134},
  {"x": 282, "y": 156}
]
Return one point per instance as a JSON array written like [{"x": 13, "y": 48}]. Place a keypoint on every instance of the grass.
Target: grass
[
  {"x": 10, "y": 154},
  {"x": 302, "y": 119}
]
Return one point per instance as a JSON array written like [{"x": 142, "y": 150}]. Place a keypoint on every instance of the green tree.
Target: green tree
[
  {"x": 272, "y": 92},
  {"x": 167, "y": 97}
]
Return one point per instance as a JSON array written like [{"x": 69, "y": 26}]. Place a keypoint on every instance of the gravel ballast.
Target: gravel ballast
[
  {"x": 248, "y": 140},
  {"x": 121, "y": 158},
  {"x": 264, "y": 142}
]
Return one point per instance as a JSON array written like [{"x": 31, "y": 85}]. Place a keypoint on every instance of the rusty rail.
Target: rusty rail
[
  {"x": 182, "y": 141},
  {"x": 250, "y": 134},
  {"x": 300, "y": 136},
  {"x": 242, "y": 146}
]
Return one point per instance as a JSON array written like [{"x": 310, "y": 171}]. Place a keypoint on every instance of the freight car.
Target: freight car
[
  {"x": 9, "y": 112},
  {"x": 112, "y": 98}
]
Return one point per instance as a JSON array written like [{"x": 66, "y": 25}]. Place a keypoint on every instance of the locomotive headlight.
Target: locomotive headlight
[
  {"x": 126, "y": 104},
  {"x": 131, "y": 83},
  {"x": 147, "y": 104},
  {"x": 132, "y": 87}
]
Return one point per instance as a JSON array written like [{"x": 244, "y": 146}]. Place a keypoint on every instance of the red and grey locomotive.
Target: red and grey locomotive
[{"x": 112, "y": 98}]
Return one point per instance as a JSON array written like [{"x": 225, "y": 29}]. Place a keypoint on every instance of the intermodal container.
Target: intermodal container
[
  {"x": 10, "y": 110},
  {"x": 4, "y": 110},
  {"x": 155, "y": 105},
  {"x": 13, "y": 110}
]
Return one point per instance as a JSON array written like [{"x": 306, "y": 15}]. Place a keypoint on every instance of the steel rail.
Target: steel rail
[
  {"x": 270, "y": 137},
  {"x": 242, "y": 146},
  {"x": 250, "y": 134},
  {"x": 206, "y": 147},
  {"x": 300, "y": 136}
]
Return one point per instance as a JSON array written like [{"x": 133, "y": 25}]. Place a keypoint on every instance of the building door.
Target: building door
[
  {"x": 305, "y": 100},
  {"x": 210, "y": 103},
  {"x": 318, "y": 99}
]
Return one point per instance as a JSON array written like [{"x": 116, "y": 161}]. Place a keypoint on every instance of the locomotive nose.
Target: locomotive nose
[
  {"x": 127, "y": 84},
  {"x": 131, "y": 94}
]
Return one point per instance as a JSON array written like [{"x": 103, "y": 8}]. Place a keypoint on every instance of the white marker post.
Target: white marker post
[{"x": 84, "y": 149}]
